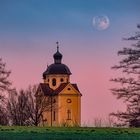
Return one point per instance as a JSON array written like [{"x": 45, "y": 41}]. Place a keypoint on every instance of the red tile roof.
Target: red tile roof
[{"x": 48, "y": 91}]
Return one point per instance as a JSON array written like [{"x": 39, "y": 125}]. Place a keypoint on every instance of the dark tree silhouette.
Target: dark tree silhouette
[
  {"x": 3, "y": 116},
  {"x": 37, "y": 105},
  {"x": 129, "y": 88},
  {"x": 16, "y": 108},
  {"x": 4, "y": 82},
  {"x": 27, "y": 108},
  {"x": 4, "y": 89}
]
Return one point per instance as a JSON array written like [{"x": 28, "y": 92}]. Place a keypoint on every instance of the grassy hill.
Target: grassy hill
[{"x": 47, "y": 133}]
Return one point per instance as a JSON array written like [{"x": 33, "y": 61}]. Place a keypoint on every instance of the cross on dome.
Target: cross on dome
[{"x": 57, "y": 45}]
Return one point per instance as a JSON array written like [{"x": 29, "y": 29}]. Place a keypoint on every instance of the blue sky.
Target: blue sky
[
  {"x": 56, "y": 19},
  {"x": 61, "y": 15}
]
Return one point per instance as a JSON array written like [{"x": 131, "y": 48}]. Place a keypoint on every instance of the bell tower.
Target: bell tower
[{"x": 57, "y": 73}]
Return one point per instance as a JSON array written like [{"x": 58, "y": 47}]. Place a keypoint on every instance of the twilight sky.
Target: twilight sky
[{"x": 30, "y": 28}]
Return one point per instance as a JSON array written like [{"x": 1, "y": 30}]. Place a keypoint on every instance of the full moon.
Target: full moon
[{"x": 101, "y": 22}]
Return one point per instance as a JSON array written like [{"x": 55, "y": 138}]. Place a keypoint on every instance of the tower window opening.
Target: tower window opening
[
  {"x": 54, "y": 82},
  {"x": 61, "y": 79},
  {"x": 68, "y": 115}
]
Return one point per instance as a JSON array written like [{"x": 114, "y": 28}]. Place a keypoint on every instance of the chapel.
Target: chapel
[{"x": 64, "y": 106}]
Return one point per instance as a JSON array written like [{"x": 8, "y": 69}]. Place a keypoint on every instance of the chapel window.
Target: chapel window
[
  {"x": 54, "y": 115},
  {"x": 69, "y": 101},
  {"x": 61, "y": 79},
  {"x": 68, "y": 115},
  {"x": 69, "y": 88},
  {"x": 54, "y": 82}
]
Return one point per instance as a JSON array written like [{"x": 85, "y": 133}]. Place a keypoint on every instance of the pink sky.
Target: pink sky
[{"x": 90, "y": 71}]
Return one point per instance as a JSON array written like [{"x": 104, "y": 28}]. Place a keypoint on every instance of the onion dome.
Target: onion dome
[
  {"x": 57, "y": 67},
  {"x": 57, "y": 56}
]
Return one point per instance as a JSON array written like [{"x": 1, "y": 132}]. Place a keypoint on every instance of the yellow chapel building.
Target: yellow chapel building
[{"x": 65, "y": 96}]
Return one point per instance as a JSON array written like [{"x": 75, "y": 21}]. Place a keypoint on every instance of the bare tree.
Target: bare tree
[
  {"x": 17, "y": 107},
  {"x": 97, "y": 122},
  {"x": 129, "y": 84},
  {"x": 3, "y": 117},
  {"x": 4, "y": 82},
  {"x": 4, "y": 89},
  {"x": 37, "y": 105},
  {"x": 24, "y": 108},
  {"x": 110, "y": 121}
]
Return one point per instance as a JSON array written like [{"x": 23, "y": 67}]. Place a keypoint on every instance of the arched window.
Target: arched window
[
  {"x": 61, "y": 80},
  {"x": 68, "y": 114},
  {"x": 54, "y": 82}
]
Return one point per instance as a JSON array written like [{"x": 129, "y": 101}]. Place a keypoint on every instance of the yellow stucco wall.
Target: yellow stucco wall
[
  {"x": 61, "y": 107},
  {"x": 48, "y": 115},
  {"x": 74, "y": 106}
]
